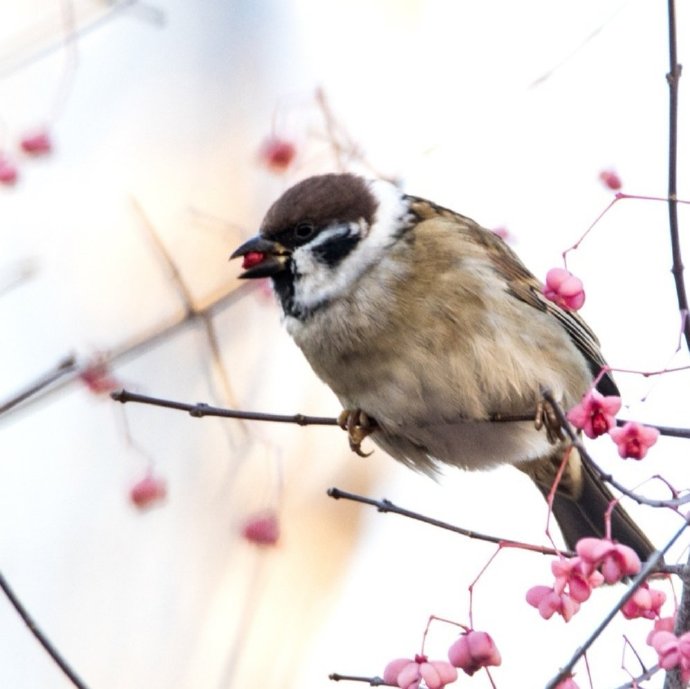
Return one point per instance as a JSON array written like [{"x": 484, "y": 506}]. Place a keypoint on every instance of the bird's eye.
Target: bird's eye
[{"x": 304, "y": 230}]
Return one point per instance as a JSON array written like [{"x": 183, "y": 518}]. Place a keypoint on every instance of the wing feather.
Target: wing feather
[{"x": 522, "y": 285}]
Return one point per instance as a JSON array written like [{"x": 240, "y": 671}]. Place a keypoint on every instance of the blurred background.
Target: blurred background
[{"x": 140, "y": 143}]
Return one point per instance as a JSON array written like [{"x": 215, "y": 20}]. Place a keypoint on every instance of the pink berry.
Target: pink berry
[
  {"x": 37, "y": 143},
  {"x": 8, "y": 171},
  {"x": 262, "y": 528},
  {"x": 148, "y": 491},
  {"x": 277, "y": 154},
  {"x": 610, "y": 179}
]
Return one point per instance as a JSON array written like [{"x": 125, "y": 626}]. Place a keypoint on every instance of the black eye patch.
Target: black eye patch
[{"x": 335, "y": 249}]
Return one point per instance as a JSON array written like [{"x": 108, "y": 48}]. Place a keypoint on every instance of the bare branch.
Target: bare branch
[
  {"x": 371, "y": 681},
  {"x": 673, "y": 678},
  {"x": 387, "y": 506},
  {"x": 673, "y": 79},
  {"x": 39, "y": 635},
  {"x": 635, "y": 682},
  {"x": 201, "y": 409},
  {"x": 64, "y": 367}
]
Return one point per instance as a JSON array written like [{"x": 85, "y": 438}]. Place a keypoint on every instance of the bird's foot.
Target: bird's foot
[
  {"x": 546, "y": 418},
  {"x": 358, "y": 425}
]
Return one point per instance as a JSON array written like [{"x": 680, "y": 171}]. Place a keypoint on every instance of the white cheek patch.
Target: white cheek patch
[{"x": 316, "y": 282}]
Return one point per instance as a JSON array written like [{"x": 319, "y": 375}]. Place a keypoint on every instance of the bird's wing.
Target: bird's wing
[{"x": 522, "y": 285}]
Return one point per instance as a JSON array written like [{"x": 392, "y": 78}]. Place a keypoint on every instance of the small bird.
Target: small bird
[{"x": 429, "y": 330}]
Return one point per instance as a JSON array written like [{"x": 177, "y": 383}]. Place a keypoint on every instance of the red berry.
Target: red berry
[
  {"x": 262, "y": 529},
  {"x": 610, "y": 179},
  {"x": 38, "y": 143},
  {"x": 148, "y": 491},
  {"x": 277, "y": 154},
  {"x": 253, "y": 258}
]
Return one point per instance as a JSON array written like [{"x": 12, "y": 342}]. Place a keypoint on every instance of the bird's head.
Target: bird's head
[{"x": 321, "y": 236}]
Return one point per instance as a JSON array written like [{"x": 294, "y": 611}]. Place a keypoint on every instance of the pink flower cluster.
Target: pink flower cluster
[
  {"x": 673, "y": 651},
  {"x": 597, "y": 561},
  {"x": 409, "y": 674},
  {"x": 645, "y": 602},
  {"x": 564, "y": 289},
  {"x": 595, "y": 415},
  {"x": 471, "y": 652}
]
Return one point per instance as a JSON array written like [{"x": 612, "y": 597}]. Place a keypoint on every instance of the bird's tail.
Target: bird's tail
[{"x": 581, "y": 501}]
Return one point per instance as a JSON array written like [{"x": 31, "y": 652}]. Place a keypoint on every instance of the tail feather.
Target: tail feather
[{"x": 581, "y": 501}]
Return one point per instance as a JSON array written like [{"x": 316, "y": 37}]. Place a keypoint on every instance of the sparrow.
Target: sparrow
[{"x": 435, "y": 337}]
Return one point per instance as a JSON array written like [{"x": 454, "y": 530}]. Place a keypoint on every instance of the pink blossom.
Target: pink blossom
[
  {"x": 595, "y": 414},
  {"x": 473, "y": 651},
  {"x": 610, "y": 179},
  {"x": 663, "y": 624},
  {"x": 148, "y": 491},
  {"x": 633, "y": 439},
  {"x": 563, "y": 288},
  {"x": 573, "y": 574},
  {"x": 548, "y": 601},
  {"x": 614, "y": 560},
  {"x": 673, "y": 652},
  {"x": 262, "y": 528},
  {"x": 409, "y": 674},
  {"x": 645, "y": 602}
]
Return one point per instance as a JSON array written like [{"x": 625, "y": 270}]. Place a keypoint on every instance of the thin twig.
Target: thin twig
[
  {"x": 164, "y": 256},
  {"x": 201, "y": 409},
  {"x": 371, "y": 681},
  {"x": 39, "y": 635},
  {"x": 635, "y": 682},
  {"x": 64, "y": 367},
  {"x": 387, "y": 506},
  {"x": 649, "y": 567}
]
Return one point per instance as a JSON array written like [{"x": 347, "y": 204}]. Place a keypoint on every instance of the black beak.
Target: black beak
[{"x": 262, "y": 257}]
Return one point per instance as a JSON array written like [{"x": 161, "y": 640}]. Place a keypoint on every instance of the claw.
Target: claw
[
  {"x": 358, "y": 425},
  {"x": 546, "y": 418}
]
